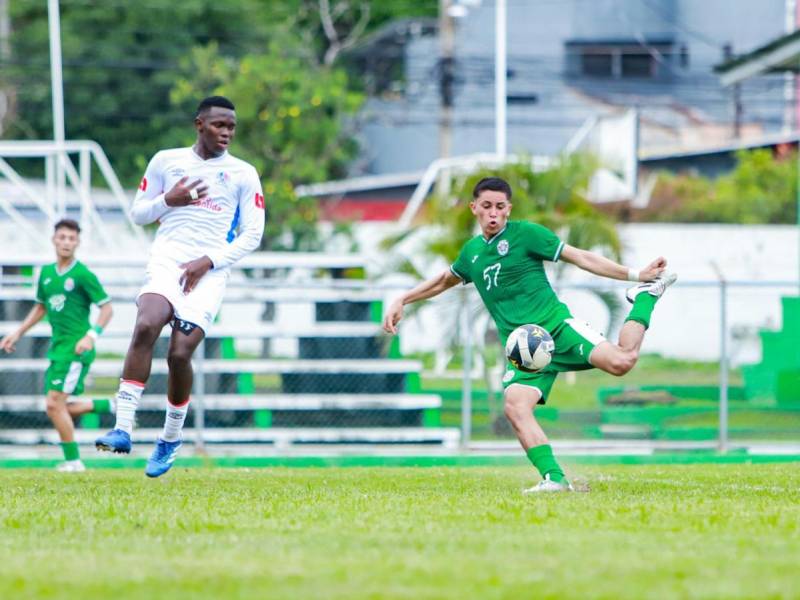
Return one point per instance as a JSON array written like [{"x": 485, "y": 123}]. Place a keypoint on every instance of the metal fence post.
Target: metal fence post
[
  {"x": 466, "y": 384},
  {"x": 723, "y": 366},
  {"x": 198, "y": 401}
]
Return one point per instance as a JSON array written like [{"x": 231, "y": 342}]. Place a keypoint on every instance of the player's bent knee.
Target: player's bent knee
[
  {"x": 146, "y": 330},
  {"x": 54, "y": 403},
  {"x": 179, "y": 358},
  {"x": 518, "y": 405}
]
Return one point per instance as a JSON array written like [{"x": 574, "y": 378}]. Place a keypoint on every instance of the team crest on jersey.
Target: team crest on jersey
[
  {"x": 69, "y": 284},
  {"x": 223, "y": 178},
  {"x": 502, "y": 247},
  {"x": 57, "y": 302}
]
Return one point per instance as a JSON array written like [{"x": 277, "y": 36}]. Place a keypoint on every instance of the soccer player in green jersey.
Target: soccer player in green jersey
[
  {"x": 65, "y": 292},
  {"x": 506, "y": 264}
]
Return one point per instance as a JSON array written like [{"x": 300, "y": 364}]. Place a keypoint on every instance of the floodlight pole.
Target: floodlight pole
[
  {"x": 500, "y": 70},
  {"x": 57, "y": 93}
]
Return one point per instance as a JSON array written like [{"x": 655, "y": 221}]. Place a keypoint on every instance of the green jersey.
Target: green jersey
[
  {"x": 508, "y": 271},
  {"x": 67, "y": 297}
]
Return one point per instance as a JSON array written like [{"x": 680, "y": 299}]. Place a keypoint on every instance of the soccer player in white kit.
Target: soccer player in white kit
[{"x": 210, "y": 210}]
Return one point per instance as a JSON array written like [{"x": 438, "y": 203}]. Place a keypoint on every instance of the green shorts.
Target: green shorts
[
  {"x": 67, "y": 376},
  {"x": 574, "y": 341}
]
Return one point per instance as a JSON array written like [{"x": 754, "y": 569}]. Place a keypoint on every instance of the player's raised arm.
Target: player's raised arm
[
  {"x": 251, "y": 224},
  {"x": 427, "y": 289},
  {"x": 605, "y": 267}
]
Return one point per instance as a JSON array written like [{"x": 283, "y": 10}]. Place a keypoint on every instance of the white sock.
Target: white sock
[
  {"x": 128, "y": 396},
  {"x": 173, "y": 422}
]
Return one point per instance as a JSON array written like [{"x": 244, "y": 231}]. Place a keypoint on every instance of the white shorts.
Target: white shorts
[{"x": 200, "y": 306}]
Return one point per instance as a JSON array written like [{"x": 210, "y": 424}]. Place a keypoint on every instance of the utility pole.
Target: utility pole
[
  {"x": 736, "y": 96},
  {"x": 790, "y": 91},
  {"x": 57, "y": 93},
  {"x": 5, "y": 57},
  {"x": 500, "y": 75},
  {"x": 447, "y": 45},
  {"x": 446, "y": 77}
]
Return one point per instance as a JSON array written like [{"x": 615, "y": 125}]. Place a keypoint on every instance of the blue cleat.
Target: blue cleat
[
  {"x": 162, "y": 458},
  {"x": 116, "y": 440}
]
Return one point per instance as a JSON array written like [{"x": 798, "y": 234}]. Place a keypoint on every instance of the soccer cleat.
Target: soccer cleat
[
  {"x": 548, "y": 486},
  {"x": 656, "y": 288},
  {"x": 162, "y": 458},
  {"x": 71, "y": 466},
  {"x": 116, "y": 440}
]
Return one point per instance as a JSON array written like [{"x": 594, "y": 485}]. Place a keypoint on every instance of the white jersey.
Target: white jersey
[{"x": 227, "y": 225}]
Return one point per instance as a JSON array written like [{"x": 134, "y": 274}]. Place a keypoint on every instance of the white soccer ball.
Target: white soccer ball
[{"x": 530, "y": 348}]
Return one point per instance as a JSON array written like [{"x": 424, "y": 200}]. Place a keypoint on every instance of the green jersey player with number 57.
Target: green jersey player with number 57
[{"x": 505, "y": 262}]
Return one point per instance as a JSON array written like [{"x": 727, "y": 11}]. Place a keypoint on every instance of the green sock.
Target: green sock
[
  {"x": 101, "y": 405},
  {"x": 543, "y": 459},
  {"x": 643, "y": 307},
  {"x": 70, "y": 450}
]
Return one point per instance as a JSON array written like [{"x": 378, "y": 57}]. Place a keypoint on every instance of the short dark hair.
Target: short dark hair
[
  {"x": 206, "y": 104},
  {"x": 493, "y": 184},
  {"x": 67, "y": 224}
]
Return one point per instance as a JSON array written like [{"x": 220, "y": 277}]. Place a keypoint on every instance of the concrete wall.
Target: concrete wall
[{"x": 686, "y": 323}]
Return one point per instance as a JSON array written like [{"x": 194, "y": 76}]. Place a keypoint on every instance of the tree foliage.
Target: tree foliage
[
  {"x": 290, "y": 125},
  {"x": 134, "y": 72},
  {"x": 554, "y": 197},
  {"x": 761, "y": 189}
]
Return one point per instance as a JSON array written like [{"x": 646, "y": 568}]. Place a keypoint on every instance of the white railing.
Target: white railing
[{"x": 63, "y": 179}]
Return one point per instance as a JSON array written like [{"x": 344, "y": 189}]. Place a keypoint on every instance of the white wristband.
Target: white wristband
[
  {"x": 92, "y": 334},
  {"x": 633, "y": 274}
]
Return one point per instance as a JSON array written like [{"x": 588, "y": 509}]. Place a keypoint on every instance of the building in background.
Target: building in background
[{"x": 569, "y": 60}]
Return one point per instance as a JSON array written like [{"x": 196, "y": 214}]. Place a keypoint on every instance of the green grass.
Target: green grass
[{"x": 706, "y": 531}]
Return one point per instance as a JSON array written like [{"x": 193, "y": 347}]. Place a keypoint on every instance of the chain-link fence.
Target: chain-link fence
[
  {"x": 720, "y": 366},
  {"x": 297, "y": 357}
]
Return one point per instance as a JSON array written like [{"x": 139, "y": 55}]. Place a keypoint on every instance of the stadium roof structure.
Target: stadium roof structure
[{"x": 781, "y": 55}]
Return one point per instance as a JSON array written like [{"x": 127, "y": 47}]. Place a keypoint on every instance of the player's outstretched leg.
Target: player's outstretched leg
[
  {"x": 619, "y": 359},
  {"x": 519, "y": 404},
  {"x": 154, "y": 312},
  {"x": 182, "y": 344}
]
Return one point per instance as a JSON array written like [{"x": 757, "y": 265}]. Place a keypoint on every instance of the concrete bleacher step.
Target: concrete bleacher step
[
  {"x": 36, "y": 403},
  {"x": 280, "y": 437},
  {"x": 257, "y": 330},
  {"x": 113, "y": 367}
]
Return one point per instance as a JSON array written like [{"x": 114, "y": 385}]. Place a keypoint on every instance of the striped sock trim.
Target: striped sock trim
[
  {"x": 133, "y": 382},
  {"x": 181, "y": 404}
]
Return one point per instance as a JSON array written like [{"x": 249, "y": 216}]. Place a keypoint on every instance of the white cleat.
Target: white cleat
[
  {"x": 656, "y": 288},
  {"x": 548, "y": 486},
  {"x": 71, "y": 466}
]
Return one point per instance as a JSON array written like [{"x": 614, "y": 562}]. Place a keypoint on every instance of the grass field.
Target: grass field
[{"x": 706, "y": 531}]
